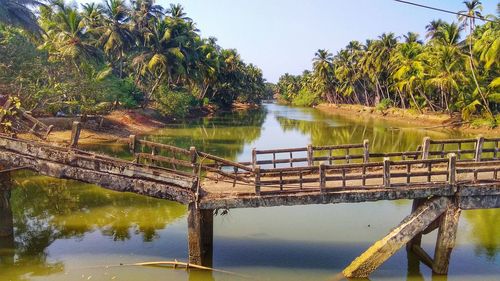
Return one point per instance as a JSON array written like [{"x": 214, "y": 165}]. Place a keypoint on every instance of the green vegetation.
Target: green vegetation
[
  {"x": 445, "y": 74},
  {"x": 59, "y": 57}
]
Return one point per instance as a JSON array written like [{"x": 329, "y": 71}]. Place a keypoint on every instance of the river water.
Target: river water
[{"x": 66, "y": 230}]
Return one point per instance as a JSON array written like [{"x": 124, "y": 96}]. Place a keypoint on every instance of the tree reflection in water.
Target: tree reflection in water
[{"x": 45, "y": 210}]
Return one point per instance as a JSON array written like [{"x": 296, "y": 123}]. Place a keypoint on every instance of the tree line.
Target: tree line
[
  {"x": 444, "y": 74},
  {"x": 60, "y": 57}
]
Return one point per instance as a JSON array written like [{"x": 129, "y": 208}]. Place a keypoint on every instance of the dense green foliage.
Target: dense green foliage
[
  {"x": 96, "y": 57},
  {"x": 444, "y": 74}
]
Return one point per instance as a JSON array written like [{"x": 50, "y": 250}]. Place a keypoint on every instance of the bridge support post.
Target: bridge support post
[
  {"x": 200, "y": 235},
  {"x": 383, "y": 249},
  {"x": 447, "y": 233},
  {"x": 6, "y": 221}
]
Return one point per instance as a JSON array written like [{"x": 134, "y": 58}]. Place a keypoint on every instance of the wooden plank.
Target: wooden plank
[{"x": 383, "y": 249}]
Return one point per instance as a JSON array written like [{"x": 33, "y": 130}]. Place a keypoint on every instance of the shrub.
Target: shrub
[
  {"x": 175, "y": 103},
  {"x": 305, "y": 98},
  {"x": 384, "y": 104}
]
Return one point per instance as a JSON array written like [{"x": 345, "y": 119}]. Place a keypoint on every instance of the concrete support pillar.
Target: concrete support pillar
[
  {"x": 6, "y": 221},
  {"x": 447, "y": 234},
  {"x": 200, "y": 235},
  {"x": 383, "y": 249},
  {"x": 417, "y": 240}
]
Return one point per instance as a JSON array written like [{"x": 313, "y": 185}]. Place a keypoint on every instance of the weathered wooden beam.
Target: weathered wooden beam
[
  {"x": 257, "y": 180},
  {"x": 366, "y": 151},
  {"x": 383, "y": 249},
  {"x": 132, "y": 144},
  {"x": 387, "y": 172},
  {"x": 200, "y": 235},
  {"x": 446, "y": 239},
  {"x": 310, "y": 155},
  {"x": 452, "y": 170},
  {"x": 422, "y": 255},
  {"x": 75, "y": 133},
  {"x": 322, "y": 177},
  {"x": 426, "y": 145},
  {"x": 478, "y": 148}
]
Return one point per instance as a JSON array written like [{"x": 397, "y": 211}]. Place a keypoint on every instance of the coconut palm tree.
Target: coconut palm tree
[
  {"x": 115, "y": 35},
  {"x": 323, "y": 71},
  {"x": 433, "y": 27},
  {"x": 468, "y": 19}
]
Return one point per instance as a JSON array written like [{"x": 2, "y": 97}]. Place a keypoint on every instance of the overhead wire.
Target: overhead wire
[{"x": 443, "y": 10}]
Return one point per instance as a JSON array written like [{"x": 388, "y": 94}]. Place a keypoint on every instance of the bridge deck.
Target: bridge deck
[{"x": 173, "y": 173}]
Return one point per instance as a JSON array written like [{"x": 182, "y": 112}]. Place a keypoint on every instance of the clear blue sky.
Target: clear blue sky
[{"x": 282, "y": 35}]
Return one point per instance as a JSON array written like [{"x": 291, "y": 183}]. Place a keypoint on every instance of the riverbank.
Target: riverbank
[
  {"x": 118, "y": 125},
  {"x": 407, "y": 117}
]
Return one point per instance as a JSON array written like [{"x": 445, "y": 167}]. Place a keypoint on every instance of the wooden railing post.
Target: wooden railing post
[
  {"x": 310, "y": 155},
  {"x": 75, "y": 133},
  {"x": 479, "y": 148},
  {"x": 322, "y": 177},
  {"x": 366, "y": 151},
  {"x": 254, "y": 158},
  {"x": 132, "y": 143},
  {"x": 387, "y": 172},
  {"x": 426, "y": 147},
  {"x": 257, "y": 179},
  {"x": 452, "y": 170},
  {"x": 193, "y": 158}
]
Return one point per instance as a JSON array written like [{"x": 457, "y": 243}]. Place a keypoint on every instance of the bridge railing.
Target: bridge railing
[
  {"x": 478, "y": 149},
  {"x": 386, "y": 174},
  {"x": 309, "y": 155},
  {"x": 193, "y": 161}
]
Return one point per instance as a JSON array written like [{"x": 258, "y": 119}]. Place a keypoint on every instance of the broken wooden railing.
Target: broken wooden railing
[
  {"x": 191, "y": 160},
  {"x": 25, "y": 121}
]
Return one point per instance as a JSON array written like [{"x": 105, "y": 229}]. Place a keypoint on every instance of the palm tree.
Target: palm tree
[
  {"x": 176, "y": 11},
  {"x": 412, "y": 37},
  {"x": 474, "y": 9},
  {"x": 18, "y": 13},
  {"x": 433, "y": 27},
  {"x": 66, "y": 35},
  {"x": 116, "y": 36},
  {"x": 323, "y": 71}
]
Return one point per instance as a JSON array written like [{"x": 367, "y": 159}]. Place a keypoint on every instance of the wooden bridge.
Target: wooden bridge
[{"x": 442, "y": 176}]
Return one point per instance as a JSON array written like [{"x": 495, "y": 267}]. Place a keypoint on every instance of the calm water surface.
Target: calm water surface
[{"x": 66, "y": 230}]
